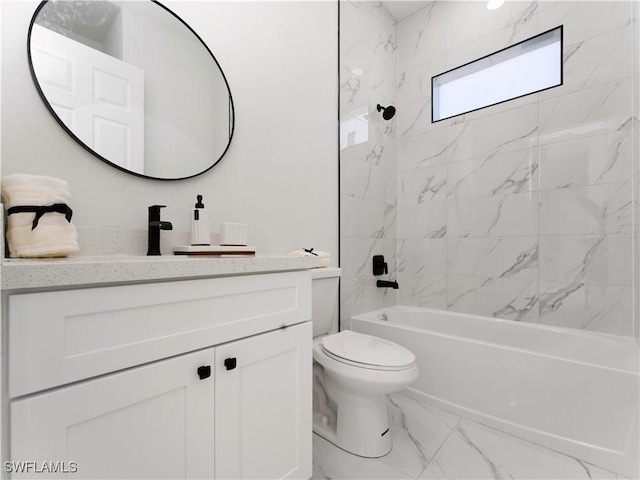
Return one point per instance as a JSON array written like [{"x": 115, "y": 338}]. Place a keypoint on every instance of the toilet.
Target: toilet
[{"x": 353, "y": 373}]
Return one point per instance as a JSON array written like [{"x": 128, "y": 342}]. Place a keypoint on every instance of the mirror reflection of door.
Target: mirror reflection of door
[
  {"x": 133, "y": 84},
  {"x": 97, "y": 96}
]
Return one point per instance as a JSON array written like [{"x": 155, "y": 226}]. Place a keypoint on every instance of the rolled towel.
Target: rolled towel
[
  {"x": 325, "y": 257},
  {"x": 38, "y": 216}
]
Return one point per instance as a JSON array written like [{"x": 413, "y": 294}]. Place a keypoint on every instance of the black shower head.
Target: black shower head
[{"x": 388, "y": 113}]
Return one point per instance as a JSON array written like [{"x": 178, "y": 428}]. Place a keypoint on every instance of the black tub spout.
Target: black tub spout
[{"x": 387, "y": 284}]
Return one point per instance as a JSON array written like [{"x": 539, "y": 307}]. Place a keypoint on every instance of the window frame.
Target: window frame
[{"x": 433, "y": 78}]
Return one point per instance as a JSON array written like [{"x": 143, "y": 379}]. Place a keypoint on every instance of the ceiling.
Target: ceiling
[{"x": 403, "y": 8}]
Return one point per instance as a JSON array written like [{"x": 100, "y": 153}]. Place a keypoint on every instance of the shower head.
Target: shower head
[{"x": 388, "y": 112}]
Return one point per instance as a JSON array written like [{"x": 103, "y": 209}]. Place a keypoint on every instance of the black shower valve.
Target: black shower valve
[{"x": 379, "y": 265}]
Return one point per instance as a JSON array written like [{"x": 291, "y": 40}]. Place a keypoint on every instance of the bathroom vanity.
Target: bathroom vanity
[{"x": 192, "y": 368}]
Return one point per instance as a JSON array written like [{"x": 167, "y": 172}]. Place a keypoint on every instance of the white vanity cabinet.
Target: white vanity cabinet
[
  {"x": 206, "y": 378},
  {"x": 155, "y": 421},
  {"x": 263, "y": 406}
]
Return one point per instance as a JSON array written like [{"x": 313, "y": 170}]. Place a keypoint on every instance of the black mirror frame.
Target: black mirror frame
[{"x": 96, "y": 154}]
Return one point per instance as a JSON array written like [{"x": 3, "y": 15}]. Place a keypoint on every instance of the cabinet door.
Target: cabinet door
[
  {"x": 154, "y": 421},
  {"x": 263, "y": 405}
]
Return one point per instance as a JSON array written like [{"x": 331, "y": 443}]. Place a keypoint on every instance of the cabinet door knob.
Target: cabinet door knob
[
  {"x": 204, "y": 372},
  {"x": 230, "y": 363}
]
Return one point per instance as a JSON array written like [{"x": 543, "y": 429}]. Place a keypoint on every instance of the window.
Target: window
[{"x": 524, "y": 68}]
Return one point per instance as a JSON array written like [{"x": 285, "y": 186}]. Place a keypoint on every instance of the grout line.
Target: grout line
[{"x": 439, "y": 448}]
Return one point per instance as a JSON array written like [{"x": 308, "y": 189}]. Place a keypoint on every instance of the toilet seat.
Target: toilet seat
[{"x": 366, "y": 351}]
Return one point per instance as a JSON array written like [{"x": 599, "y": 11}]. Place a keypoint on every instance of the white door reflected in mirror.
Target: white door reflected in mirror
[
  {"x": 133, "y": 84},
  {"x": 98, "y": 97}
]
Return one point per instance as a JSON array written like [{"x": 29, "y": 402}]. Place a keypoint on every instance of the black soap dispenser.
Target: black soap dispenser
[{"x": 200, "y": 224}]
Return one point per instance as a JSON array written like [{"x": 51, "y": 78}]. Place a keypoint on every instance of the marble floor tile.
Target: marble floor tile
[
  {"x": 474, "y": 451},
  {"x": 417, "y": 432},
  {"x": 429, "y": 443},
  {"x": 332, "y": 463}
]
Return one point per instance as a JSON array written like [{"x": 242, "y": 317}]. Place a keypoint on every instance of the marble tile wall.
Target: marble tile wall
[
  {"x": 524, "y": 210},
  {"x": 368, "y": 158}
]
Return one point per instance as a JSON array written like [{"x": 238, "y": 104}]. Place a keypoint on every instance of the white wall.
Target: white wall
[{"x": 280, "y": 175}]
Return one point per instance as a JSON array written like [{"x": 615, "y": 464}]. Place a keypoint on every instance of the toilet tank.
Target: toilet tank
[{"x": 325, "y": 283}]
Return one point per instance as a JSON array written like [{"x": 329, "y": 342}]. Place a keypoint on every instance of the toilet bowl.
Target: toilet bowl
[{"x": 352, "y": 377}]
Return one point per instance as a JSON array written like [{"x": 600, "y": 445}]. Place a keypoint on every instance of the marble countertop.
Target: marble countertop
[{"x": 87, "y": 270}]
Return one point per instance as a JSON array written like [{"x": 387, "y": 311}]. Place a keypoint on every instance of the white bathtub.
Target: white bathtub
[{"x": 572, "y": 391}]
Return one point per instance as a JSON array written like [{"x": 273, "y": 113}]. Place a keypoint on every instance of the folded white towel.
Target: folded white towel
[
  {"x": 23, "y": 189},
  {"x": 325, "y": 257},
  {"x": 54, "y": 236}
]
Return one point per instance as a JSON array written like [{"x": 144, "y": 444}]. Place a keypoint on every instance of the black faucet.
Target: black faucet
[
  {"x": 155, "y": 225},
  {"x": 387, "y": 284}
]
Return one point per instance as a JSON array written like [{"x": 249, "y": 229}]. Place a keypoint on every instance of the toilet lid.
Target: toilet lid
[{"x": 367, "y": 350}]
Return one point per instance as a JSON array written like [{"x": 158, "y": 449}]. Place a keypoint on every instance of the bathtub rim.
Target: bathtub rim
[{"x": 628, "y": 343}]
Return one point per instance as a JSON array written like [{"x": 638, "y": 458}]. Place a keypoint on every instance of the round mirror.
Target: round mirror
[{"x": 133, "y": 84}]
